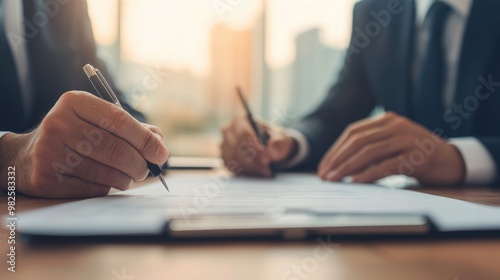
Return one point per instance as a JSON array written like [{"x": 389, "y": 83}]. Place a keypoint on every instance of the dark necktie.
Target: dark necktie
[
  {"x": 11, "y": 109},
  {"x": 427, "y": 99}
]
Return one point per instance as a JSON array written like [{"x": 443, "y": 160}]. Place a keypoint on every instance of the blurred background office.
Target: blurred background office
[{"x": 179, "y": 61}]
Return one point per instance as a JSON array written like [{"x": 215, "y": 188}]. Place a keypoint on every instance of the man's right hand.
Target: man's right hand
[
  {"x": 82, "y": 148},
  {"x": 243, "y": 153}
]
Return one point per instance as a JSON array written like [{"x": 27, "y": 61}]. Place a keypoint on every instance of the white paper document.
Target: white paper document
[{"x": 145, "y": 210}]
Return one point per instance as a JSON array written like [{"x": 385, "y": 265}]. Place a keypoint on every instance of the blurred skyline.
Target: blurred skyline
[
  {"x": 177, "y": 33},
  {"x": 284, "y": 53}
]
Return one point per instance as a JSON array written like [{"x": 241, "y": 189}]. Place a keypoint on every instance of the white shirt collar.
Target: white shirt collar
[{"x": 460, "y": 7}]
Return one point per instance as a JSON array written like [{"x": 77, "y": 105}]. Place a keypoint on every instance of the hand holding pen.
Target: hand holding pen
[
  {"x": 252, "y": 147},
  {"x": 106, "y": 92},
  {"x": 82, "y": 148}
]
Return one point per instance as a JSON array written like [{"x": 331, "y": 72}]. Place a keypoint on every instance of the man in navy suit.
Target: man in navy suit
[
  {"x": 61, "y": 142},
  {"x": 434, "y": 66}
]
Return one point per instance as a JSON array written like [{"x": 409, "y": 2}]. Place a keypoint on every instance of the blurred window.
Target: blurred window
[{"x": 179, "y": 61}]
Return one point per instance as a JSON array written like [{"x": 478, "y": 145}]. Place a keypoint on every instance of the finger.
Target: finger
[
  {"x": 353, "y": 146},
  {"x": 245, "y": 165},
  {"x": 242, "y": 128},
  {"x": 95, "y": 172},
  {"x": 240, "y": 145},
  {"x": 78, "y": 188},
  {"x": 352, "y": 130},
  {"x": 367, "y": 124},
  {"x": 156, "y": 130},
  {"x": 250, "y": 151},
  {"x": 238, "y": 131},
  {"x": 246, "y": 154},
  {"x": 69, "y": 187},
  {"x": 257, "y": 169},
  {"x": 249, "y": 148},
  {"x": 369, "y": 155},
  {"x": 276, "y": 149},
  {"x": 386, "y": 168},
  {"x": 106, "y": 148},
  {"x": 108, "y": 116},
  {"x": 280, "y": 147},
  {"x": 235, "y": 144},
  {"x": 227, "y": 145}
]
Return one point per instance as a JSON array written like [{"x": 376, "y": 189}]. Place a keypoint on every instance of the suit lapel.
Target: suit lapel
[{"x": 481, "y": 38}]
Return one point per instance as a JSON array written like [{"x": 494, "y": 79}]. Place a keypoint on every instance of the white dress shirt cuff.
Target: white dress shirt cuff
[
  {"x": 302, "y": 149},
  {"x": 479, "y": 164}
]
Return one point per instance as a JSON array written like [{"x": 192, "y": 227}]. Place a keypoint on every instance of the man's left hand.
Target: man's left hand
[{"x": 372, "y": 149}]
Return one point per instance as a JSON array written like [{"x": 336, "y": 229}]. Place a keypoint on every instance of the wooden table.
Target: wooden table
[{"x": 399, "y": 260}]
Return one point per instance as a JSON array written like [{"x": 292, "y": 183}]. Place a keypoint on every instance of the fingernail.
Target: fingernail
[
  {"x": 323, "y": 169},
  {"x": 321, "y": 173},
  {"x": 331, "y": 176},
  {"x": 144, "y": 176},
  {"x": 158, "y": 136},
  {"x": 161, "y": 154},
  {"x": 129, "y": 185}
]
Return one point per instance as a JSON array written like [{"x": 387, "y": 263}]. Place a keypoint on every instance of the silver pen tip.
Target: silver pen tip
[{"x": 163, "y": 182}]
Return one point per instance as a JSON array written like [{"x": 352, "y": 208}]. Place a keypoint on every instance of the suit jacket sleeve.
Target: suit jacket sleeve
[{"x": 349, "y": 100}]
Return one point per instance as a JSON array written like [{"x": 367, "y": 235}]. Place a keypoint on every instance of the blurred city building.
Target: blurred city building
[{"x": 179, "y": 62}]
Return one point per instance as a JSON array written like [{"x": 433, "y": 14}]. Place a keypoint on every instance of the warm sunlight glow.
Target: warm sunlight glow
[
  {"x": 177, "y": 33},
  {"x": 178, "y": 61},
  {"x": 288, "y": 18},
  {"x": 104, "y": 16}
]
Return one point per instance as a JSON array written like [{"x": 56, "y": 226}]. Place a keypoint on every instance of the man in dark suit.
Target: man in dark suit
[
  {"x": 434, "y": 66},
  {"x": 63, "y": 145}
]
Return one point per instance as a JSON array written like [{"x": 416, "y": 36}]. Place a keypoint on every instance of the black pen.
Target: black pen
[
  {"x": 264, "y": 139},
  {"x": 106, "y": 92}
]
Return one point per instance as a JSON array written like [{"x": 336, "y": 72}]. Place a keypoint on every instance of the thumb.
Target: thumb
[
  {"x": 280, "y": 149},
  {"x": 157, "y": 133},
  {"x": 156, "y": 130}
]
